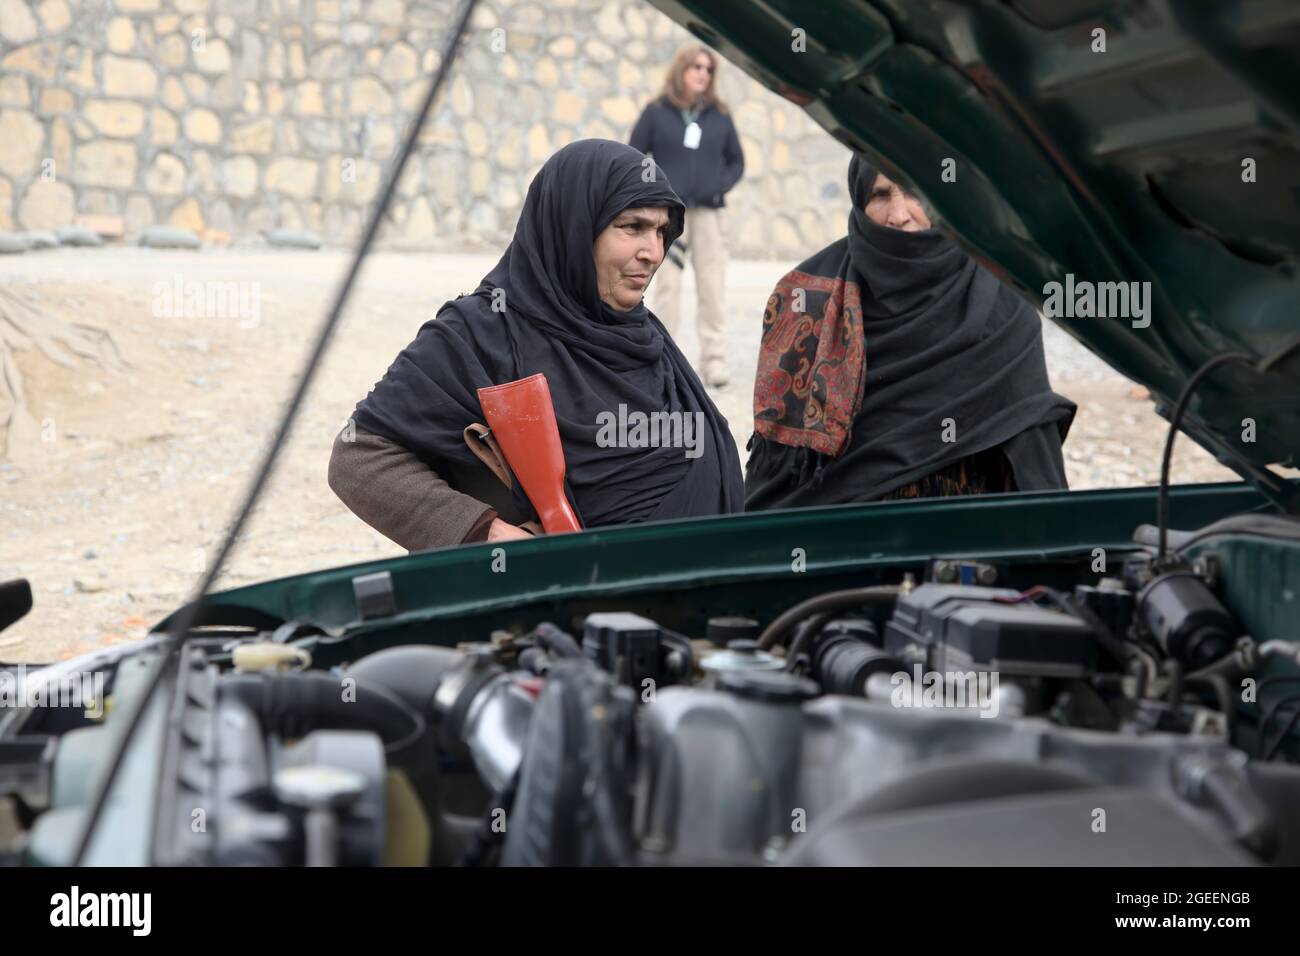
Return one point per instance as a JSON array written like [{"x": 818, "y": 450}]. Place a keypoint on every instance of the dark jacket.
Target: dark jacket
[{"x": 701, "y": 177}]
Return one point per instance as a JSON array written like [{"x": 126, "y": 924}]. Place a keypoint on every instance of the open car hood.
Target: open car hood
[{"x": 1117, "y": 166}]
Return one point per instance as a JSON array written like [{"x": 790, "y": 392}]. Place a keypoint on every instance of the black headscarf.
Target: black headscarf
[
  {"x": 539, "y": 310},
  {"x": 870, "y": 344}
]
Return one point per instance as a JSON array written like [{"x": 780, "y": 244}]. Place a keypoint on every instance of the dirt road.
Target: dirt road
[{"x": 113, "y": 516}]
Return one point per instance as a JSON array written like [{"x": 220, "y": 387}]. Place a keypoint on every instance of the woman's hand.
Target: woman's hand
[{"x": 500, "y": 530}]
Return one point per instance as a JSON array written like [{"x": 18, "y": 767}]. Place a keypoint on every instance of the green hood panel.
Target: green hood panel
[
  {"x": 761, "y": 563},
  {"x": 1117, "y": 166}
]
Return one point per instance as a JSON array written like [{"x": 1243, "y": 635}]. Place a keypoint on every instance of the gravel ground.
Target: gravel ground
[{"x": 113, "y": 517}]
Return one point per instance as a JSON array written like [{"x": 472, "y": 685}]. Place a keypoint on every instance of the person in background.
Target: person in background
[
  {"x": 893, "y": 366},
  {"x": 691, "y": 136}
]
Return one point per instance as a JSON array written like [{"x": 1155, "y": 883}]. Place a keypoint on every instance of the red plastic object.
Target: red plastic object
[{"x": 522, "y": 420}]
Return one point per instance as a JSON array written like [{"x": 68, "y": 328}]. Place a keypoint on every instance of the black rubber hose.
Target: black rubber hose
[
  {"x": 834, "y": 601},
  {"x": 551, "y": 638},
  {"x": 1174, "y": 671},
  {"x": 807, "y": 636},
  {"x": 843, "y": 663},
  {"x": 293, "y": 705},
  {"x": 411, "y": 672}
]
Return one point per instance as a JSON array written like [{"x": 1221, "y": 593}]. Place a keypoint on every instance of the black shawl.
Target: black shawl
[
  {"x": 538, "y": 310},
  {"x": 869, "y": 345}
]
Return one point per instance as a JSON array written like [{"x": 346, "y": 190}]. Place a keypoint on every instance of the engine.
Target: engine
[{"x": 948, "y": 721}]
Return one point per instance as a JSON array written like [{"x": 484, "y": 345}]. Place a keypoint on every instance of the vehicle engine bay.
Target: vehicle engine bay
[{"x": 956, "y": 716}]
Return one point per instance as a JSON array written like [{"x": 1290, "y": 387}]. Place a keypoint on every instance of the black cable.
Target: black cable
[
  {"x": 1185, "y": 399},
  {"x": 1117, "y": 647},
  {"x": 171, "y": 647},
  {"x": 1262, "y": 367}
]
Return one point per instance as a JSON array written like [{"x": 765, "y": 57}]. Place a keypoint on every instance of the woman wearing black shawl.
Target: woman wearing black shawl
[
  {"x": 894, "y": 366},
  {"x": 565, "y": 300}
]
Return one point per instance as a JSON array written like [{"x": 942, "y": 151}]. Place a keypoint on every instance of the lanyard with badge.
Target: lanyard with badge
[{"x": 691, "y": 138}]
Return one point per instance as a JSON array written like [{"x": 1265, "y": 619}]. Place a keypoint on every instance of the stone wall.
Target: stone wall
[{"x": 230, "y": 117}]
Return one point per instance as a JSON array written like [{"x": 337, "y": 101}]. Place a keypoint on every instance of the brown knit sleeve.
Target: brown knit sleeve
[{"x": 396, "y": 493}]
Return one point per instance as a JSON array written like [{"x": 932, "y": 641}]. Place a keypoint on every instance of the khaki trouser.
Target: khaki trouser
[{"x": 704, "y": 237}]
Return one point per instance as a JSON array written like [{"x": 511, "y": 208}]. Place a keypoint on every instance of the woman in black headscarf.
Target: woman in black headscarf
[
  {"x": 894, "y": 366},
  {"x": 565, "y": 300}
]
